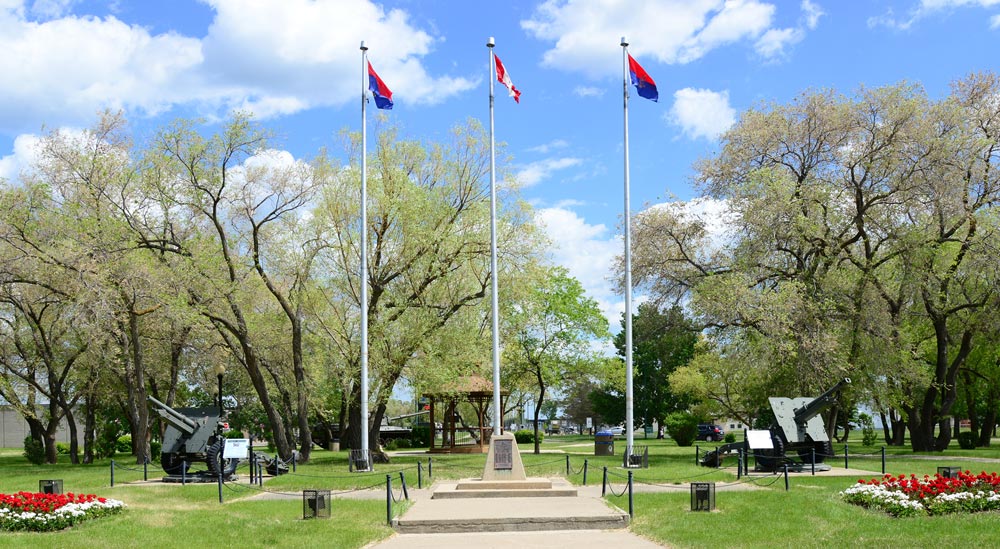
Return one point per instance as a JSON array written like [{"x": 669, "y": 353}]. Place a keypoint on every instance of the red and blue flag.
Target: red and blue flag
[
  {"x": 381, "y": 92},
  {"x": 643, "y": 83}
]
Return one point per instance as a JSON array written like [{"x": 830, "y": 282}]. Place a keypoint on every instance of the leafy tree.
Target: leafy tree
[
  {"x": 552, "y": 332},
  {"x": 662, "y": 341},
  {"x": 428, "y": 268},
  {"x": 860, "y": 245}
]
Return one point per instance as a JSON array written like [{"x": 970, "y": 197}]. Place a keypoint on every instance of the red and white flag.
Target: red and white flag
[{"x": 504, "y": 79}]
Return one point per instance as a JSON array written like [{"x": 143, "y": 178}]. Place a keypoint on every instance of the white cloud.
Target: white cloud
[
  {"x": 51, "y": 8},
  {"x": 588, "y": 252},
  {"x": 584, "y": 32},
  {"x": 995, "y": 22},
  {"x": 550, "y": 146},
  {"x": 927, "y": 8},
  {"x": 534, "y": 173},
  {"x": 588, "y": 91},
  {"x": 24, "y": 155},
  {"x": 702, "y": 113},
  {"x": 272, "y": 58},
  {"x": 772, "y": 44},
  {"x": 812, "y": 12}
]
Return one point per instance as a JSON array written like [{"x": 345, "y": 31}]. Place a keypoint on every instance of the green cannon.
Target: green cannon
[
  {"x": 193, "y": 436},
  {"x": 798, "y": 434}
]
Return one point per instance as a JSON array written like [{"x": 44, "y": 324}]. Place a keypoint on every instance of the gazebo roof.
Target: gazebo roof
[{"x": 466, "y": 385}]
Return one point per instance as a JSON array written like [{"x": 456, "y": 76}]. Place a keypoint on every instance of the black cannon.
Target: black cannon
[
  {"x": 798, "y": 434},
  {"x": 193, "y": 436}
]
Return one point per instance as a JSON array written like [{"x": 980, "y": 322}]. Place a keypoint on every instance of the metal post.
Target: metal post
[
  {"x": 112, "y": 473},
  {"x": 184, "y": 472},
  {"x": 430, "y": 463},
  {"x": 220, "y": 484},
  {"x": 845, "y": 457},
  {"x": 494, "y": 285},
  {"x": 420, "y": 475},
  {"x": 402, "y": 480},
  {"x": 567, "y": 465},
  {"x": 813, "y": 450},
  {"x": 388, "y": 500},
  {"x": 145, "y": 471},
  {"x": 739, "y": 463},
  {"x": 584, "y": 472},
  {"x": 630, "y": 513},
  {"x": 785, "y": 467},
  {"x": 697, "y": 454},
  {"x": 294, "y": 453},
  {"x": 604, "y": 482},
  {"x": 260, "y": 474},
  {"x": 253, "y": 464},
  {"x": 883, "y": 460}
]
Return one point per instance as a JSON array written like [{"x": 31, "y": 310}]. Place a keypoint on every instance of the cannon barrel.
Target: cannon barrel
[
  {"x": 820, "y": 403},
  {"x": 183, "y": 423}
]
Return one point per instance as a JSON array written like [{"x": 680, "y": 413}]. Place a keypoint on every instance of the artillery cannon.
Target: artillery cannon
[
  {"x": 798, "y": 430},
  {"x": 193, "y": 435}
]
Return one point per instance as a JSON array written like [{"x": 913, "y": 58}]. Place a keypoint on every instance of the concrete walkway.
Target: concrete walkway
[
  {"x": 518, "y": 519},
  {"x": 577, "y": 539}
]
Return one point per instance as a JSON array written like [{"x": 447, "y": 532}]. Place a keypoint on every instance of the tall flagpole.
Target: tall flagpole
[
  {"x": 628, "y": 267},
  {"x": 494, "y": 303},
  {"x": 364, "y": 257}
]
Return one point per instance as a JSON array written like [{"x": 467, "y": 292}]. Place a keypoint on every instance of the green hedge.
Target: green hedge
[{"x": 525, "y": 436}]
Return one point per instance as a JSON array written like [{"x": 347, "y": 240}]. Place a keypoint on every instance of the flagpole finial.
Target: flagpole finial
[
  {"x": 363, "y": 46},
  {"x": 490, "y": 43},
  {"x": 624, "y": 42}
]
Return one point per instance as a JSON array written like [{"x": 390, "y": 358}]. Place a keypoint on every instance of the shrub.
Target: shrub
[
  {"x": 34, "y": 450},
  {"x": 967, "y": 440},
  {"x": 62, "y": 448},
  {"x": 124, "y": 444},
  {"x": 421, "y": 436},
  {"x": 682, "y": 427},
  {"x": 403, "y": 443},
  {"x": 868, "y": 436},
  {"x": 233, "y": 433},
  {"x": 155, "y": 448},
  {"x": 526, "y": 436},
  {"x": 391, "y": 444},
  {"x": 730, "y": 437}
]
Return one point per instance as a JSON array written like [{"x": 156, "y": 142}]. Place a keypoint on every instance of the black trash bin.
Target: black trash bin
[{"x": 604, "y": 443}]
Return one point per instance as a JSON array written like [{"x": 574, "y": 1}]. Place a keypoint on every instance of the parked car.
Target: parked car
[
  {"x": 710, "y": 432},
  {"x": 616, "y": 430}
]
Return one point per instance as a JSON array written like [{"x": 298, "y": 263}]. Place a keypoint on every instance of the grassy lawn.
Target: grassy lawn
[{"x": 811, "y": 514}]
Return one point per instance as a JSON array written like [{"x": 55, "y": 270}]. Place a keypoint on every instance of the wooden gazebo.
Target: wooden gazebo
[{"x": 457, "y": 434}]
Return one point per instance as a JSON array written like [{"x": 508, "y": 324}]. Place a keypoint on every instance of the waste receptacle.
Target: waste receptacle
[
  {"x": 335, "y": 445},
  {"x": 604, "y": 443}
]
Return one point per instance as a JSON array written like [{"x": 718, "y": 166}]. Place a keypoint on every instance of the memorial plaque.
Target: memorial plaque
[
  {"x": 503, "y": 456},
  {"x": 236, "y": 448}
]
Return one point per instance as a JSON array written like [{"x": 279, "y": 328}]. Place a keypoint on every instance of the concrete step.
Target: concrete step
[
  {"x": 510, "y": 514},
  {"x": 532, "y": 487}
]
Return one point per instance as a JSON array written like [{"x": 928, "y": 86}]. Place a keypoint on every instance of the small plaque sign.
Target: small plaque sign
[
  {"x": 236, "y": 448},
  {"x": 503, "y": 454}
]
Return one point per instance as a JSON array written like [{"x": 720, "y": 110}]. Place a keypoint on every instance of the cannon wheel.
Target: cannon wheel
[
  {"x": 212, "y": 454},
  {"x": 771, "y": 460},
  {"x": 175, "y": 464},
  {"x": 824, "y": 450}
]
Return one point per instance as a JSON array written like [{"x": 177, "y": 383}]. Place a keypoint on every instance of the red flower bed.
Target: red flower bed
[
  {"x": 39, "y": 512},
  {"x": 912, "y": 495}
]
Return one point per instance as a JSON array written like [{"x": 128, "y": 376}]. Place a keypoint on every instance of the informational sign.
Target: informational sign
[
  {"x": 503, "y": 454},
  {"x": 236, "y": 448},
  {"x": 760, "y": 439},
  {"x": 590, "y": 423}
]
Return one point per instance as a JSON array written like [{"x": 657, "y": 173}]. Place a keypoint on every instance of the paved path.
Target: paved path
[{"x": 577, "y": 539}]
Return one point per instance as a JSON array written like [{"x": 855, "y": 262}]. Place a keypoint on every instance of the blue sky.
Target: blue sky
[{"x": 296, "y": 64}]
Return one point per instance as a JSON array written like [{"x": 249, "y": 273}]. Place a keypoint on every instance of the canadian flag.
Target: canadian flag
[{"x": 504, "y": 79}]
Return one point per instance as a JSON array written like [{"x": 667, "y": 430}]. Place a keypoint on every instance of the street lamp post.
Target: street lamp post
[{"x": 220, "y": 371}]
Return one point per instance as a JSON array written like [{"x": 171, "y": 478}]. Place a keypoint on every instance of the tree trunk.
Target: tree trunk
[
  {"x": 74, "y": 442},
  {"x": 89, "y": 428},
  {"x": 989, "y": 418}
]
